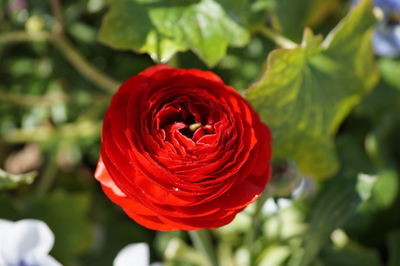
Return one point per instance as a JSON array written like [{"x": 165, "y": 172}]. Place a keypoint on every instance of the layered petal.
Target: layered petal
[{"x": 182, "y": 150}]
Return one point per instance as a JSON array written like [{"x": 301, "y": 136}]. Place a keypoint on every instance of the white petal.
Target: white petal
[
  {"x": 133, "y": 254},
  {"x": 270, "y": 206},
  {"x": 299, "y": 189},
  {"x": 29, "y": 241},
  {"x": 284, "y": 203},
  {"x": 4, "y": 228}
]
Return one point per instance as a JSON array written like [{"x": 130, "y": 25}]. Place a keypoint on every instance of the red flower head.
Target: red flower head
[{"x": 182, "y": 150}]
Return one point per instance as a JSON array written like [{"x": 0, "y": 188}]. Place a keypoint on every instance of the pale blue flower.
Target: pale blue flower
[
  {"x": 26, "y": 243},
  {"x": 386, "y": 39}
]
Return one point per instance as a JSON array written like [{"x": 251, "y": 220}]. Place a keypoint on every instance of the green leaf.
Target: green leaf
[
  {"x": 11, "y": 181},
  {"x": 251, "y": 13},
  {"x": 390, "y": 69},
  {"x": 179, "y": 253},
  {"x": 382, "y": 196},
  {"x": 225, "y": 254},
  {"x": 365, "y": 185},
  {"x": 274, "y": 255},
  {"x": 66, "y": 215},
  {"x": 128, "y": 26},
  {"x": 385, "y": 190},
  {"x": 161, "y": 29},
  {"x": 286, "y": 224},
  {"x": 306, "y": 92}
]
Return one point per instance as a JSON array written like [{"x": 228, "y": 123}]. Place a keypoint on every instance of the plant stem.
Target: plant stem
[
  {"x": 73, "y": 56},
  {"x": 56, "y": 10},
  {"x": 59, "y": 40},
  {"x": 82, "y": 65},
  {"x": 255, "y": 219},
  {"x": 48, "y": 177},
  {"x": 30, "y": 100},
  {"x": 202, "y": 242},
  {"x": 79, "y": 129},
  {"x": 277, "y": 38},
  {"x": 21, "y": 36},
  {"x": 255, "y": 225}
]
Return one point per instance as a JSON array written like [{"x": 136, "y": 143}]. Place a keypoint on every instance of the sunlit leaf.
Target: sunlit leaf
[
  {"x": 179, "y": 253},
  {"x": 306, "y": 92},
  {"x": 365, "y": 185},
  {"x": 162, "y": 28},
  {"x": 274, "y": 256}
]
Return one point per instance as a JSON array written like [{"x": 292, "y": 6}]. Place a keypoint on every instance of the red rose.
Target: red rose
[{"x": 182, "y": 150}]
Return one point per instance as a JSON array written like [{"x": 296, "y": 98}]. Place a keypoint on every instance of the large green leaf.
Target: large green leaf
[
  {"x": 162, "y": 28},
  {"x": 306, "y": 92}
]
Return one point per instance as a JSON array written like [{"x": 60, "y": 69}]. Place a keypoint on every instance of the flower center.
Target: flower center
[
  {"x": 194, "y": 121},
  {"x": 194, "y": 127},
  {"x": 191, "y": 124},
  {"x": 189, "y": 131}
]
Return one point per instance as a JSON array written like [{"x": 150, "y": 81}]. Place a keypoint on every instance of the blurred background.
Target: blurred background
[{"x": 57, "y": 77}]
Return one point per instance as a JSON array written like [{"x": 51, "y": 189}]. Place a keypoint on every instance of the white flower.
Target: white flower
[
  {"x": 272, "y": 206},
  {"x": 134, "y": 254},
  {"x": 26, "y": 242}
]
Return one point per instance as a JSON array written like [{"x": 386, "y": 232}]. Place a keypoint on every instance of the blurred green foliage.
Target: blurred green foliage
[{"x": 57, "y": 78}]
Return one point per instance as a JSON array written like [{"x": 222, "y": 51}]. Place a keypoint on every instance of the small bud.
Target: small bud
[
  {"x": 378, "y": 12},
  {"x": 34, "y": 25}
]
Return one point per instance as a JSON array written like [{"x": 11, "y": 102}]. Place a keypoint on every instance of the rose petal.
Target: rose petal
[{"x": 165, "y": 173}]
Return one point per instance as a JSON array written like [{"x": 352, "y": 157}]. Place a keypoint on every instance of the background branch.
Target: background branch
[{"x": 61, "y": 42}]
